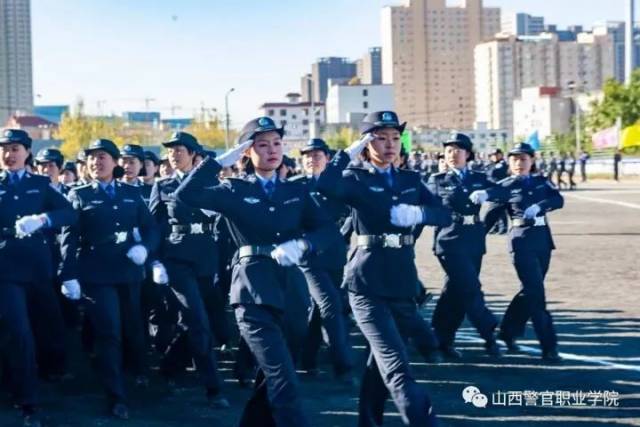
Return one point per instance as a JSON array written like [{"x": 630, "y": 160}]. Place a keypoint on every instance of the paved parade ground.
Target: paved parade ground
[{"x": 593, "y": 290}]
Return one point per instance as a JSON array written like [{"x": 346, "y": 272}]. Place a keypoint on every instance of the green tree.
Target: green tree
[{"x": 340, "y": 139}]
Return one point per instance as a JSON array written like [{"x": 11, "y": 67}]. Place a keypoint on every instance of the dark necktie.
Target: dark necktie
[
  {"x": 389, "y": 178},
  {"x": 14, "y": 178},
  {"x": 269, "y": 187},
  {"x": 111, "y": 192}
]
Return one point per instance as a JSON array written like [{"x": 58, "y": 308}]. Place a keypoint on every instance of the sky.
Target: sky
[{"x": 186, "y": 55}]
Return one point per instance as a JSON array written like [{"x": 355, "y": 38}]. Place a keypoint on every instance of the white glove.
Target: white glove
[
  {"x": 71, "y": 289},
  {"x": 160, "y": 275},
  {"x": 29, "y": 224},
  {"x": 208, "y": 212},
  {"x": 229, "y": 158},
  {"x": 289, "y": 253},
  {"x": 404, "y": 215},
  {"x": 138, "y": 254},
  {"x": 531, "y": 211},
  {"x": 478, "y": 197},
  {"x": 356, "y": 147}
]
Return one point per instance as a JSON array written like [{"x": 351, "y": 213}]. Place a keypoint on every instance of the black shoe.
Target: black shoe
[
  {"x": 551, "y": 356},
  {"x": 512, "y": 346},
  {"x": 493, "y": 349},
  {"x": 450, "y": 352},
  {"x": 119, "y": 410},
  {"x": 217, "y": 400}
]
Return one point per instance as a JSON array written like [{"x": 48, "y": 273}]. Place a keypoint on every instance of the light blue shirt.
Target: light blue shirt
[{"x": 264, "y": 181}]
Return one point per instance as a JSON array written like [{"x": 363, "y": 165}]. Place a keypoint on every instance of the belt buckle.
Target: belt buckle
[
  {"x": 196, "y": 228},
  {"x": 468, "y": 219},
  {"x": 392, "y": 241},
  {"x": 121, "y": 237},
  {"x": 539, "y": 221}
]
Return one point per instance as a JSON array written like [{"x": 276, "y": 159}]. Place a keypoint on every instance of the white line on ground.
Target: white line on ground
[
  {"x": 599, "y": 200},
  {"x": 566, "y": 356}
]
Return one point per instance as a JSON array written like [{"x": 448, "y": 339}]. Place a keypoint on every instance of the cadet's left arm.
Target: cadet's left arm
[
  {"x": 149, "y": 230},
  {"x": 59, "y": 211},
  {"x": 433, "y": 211}
]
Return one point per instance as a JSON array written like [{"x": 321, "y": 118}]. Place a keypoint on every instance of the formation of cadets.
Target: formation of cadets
[{"x": 179, "y": 259}]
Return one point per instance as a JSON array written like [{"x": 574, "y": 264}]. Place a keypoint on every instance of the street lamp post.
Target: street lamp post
[
  {"x": 573, "y": 87},
  {"x": 312, "y": 109},
  {"x": 226, "y": 120}
]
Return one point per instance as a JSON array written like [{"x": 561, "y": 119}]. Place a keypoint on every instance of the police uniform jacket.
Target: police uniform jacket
[
  {"x": 187, "y": 234},
  {"x": 466, "y": 233},
  {"x": 95, "y": 249},
  {"x": 259, "y": 221},
  {"x": 377, "y": 269},
  {"x": 29, "y": 259},
  {"x": 516, "y": 195}
]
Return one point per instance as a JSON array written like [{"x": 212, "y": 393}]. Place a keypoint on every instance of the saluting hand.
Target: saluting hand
[
  {"x": 356, "y": 147},
  {"x": 230, "y": 157}
]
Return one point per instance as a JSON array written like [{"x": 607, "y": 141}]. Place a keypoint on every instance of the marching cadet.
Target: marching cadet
[
  {"x": 151, "y": 167},
  {"x": 496, "y": 171},
  {"x": 106, "y": 252},
  {"x": 132, "y": 161},
  {"x": 49, "y": 163},
  {"x": 323, "y": 274},
  {"x": 459, "y": 248},
  {"x": 388, "y": 206},
  {"x": 527, "y": 198},
  {"x": 28, "y": 205},
  {"x": 81, "y": 168},
  {"x": 165, "y": 168},
  {"x": 189, "y": 252},
  {"x": 274, "y": 224},
  {"x": 69, "y": 174}
]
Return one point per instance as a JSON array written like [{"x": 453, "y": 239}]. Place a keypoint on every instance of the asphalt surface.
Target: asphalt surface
[{"x": 593, "y": 292}]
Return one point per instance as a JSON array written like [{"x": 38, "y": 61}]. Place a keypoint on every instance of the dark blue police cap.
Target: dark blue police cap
[
  {"x": 150, "y": 155},
  {"x": 15, "y": 136},
  {"x": 50, "y": 155},
  {"x": 133, "y": 150},
  {"x": 459, "y": 140},
  {"x": 315, "y": 144},
  {"x": 70, "y": 166},
  {"x": 381, "y": 120},
  {"x": 185, "y": 139},
  {"x": 522, "y": 148},
  {"x": 105, "y": 145},
  {"x": 259, "y": 125}
]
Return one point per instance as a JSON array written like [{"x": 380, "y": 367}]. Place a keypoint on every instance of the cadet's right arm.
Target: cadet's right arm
[
  {"x": 69, "y": 241},
  {"x": 203, "y": 190}
]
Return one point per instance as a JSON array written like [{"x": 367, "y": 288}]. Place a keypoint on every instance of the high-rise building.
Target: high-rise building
[
  {"x": 427, "y": 53},
  {"x": 369, "y": 67},
  {"x": 617, "y": 31},
  {"x": 507, "y": 64},
  {"x": 337, "y": 69},
  {"x": 522, "y": 24},
  {"x": 16, "y": 76}
]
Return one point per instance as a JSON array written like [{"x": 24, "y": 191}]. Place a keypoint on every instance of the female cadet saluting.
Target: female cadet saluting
[
  {"x": 527, "y": 198},
  {"x": 190, "y": 253},
  {"x": 273, "y": 223},
  {"x": 105, "y": 252},
  {"x": 388, "y": 206},
  {"x": 460, "y": 248},
  {"x": 28, "y": 204}
]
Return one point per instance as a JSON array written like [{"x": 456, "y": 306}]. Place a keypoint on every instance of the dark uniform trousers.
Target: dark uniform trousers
[
  {"x": 193, "y": 294},
  {"x": 530, "y": 302},
  {"x": 462, "y": 295},
  {"x": 116, "y": 320}
]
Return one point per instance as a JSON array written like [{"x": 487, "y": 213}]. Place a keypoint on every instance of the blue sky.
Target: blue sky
[{"x": 189, "y": 53}]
